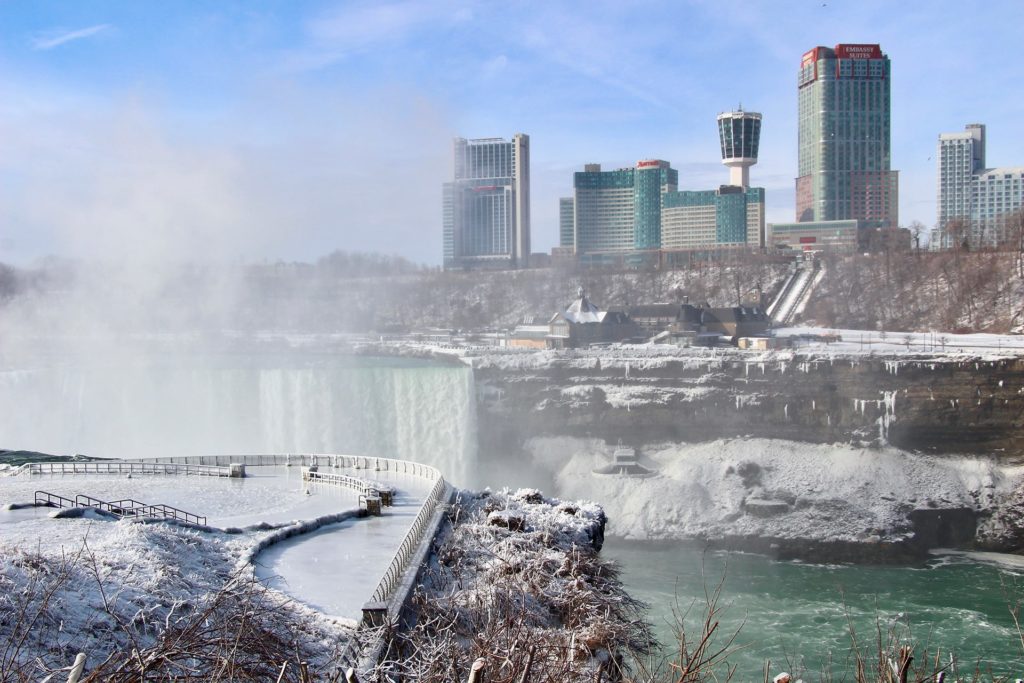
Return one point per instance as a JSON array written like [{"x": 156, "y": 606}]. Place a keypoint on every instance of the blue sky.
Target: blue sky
[{"x": 230, "y": 130}]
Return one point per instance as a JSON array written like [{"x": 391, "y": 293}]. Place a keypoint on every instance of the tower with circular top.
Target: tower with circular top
[{"x": 739, "y": 133}]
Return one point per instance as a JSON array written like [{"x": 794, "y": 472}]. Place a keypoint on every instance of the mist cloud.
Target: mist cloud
[{"x": 287, "y": 173}]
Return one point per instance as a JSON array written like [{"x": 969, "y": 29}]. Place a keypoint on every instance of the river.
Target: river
[{"x": 798, "y": 614}]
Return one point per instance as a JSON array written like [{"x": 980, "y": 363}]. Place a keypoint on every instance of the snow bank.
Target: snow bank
[
  {"x": 519, "y": 572},
  {"x": 777, "y": 489},
  {"x": 125, "y": 586}
]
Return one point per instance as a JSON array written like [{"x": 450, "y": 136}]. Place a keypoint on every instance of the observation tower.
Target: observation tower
[{"x": 740, "y": 133}]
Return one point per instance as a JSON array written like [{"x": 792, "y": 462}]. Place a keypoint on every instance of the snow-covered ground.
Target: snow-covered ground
[
  {"x": 773, "y": 488},
  {"x": 873, "y": 341},
  {"x": 816, "y": 341},
  {"x": 122, "y": 571},
  {"x": 352, "y": 554}
]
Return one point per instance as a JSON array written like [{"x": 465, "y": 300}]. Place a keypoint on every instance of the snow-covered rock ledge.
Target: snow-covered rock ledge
[
  {"x": 793, "y": 499},
  {"x": 516, "y": 577}
]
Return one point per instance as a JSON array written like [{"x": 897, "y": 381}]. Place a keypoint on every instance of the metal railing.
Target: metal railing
[
  {"x": 341, "y": 461},
  {"x": 399, "y": 563},
  {"x": 126, "y": 467},
  {"x": 53, "y": 500},
  {"x": 365, "y": 488},
  {"x": 127, "y": 507}
]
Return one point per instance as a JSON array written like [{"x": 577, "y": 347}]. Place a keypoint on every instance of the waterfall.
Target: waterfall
[{"x": 398, "y": 408}]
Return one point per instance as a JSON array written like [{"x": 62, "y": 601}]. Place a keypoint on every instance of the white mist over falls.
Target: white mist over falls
[{"x": 280, "y": 403}]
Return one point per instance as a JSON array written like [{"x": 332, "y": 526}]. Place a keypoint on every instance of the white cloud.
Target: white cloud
[{"x": 57, "y": 37}]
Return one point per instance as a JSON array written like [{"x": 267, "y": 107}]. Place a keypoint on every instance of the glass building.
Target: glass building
[
  {"x": 974, "y": 203},
  {"x": 730, "y": 216},
  {"x": 620, "y": 210},
  {"x": 844, "y": 137},
  {"x": 566, "y": 221},
  {"x": 486, "y": 207}
]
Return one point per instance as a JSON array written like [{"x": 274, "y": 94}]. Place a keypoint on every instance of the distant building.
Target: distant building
[
  {"x": 636, "y": 217},
  {"x": 734, "y": 321},
  {"x": 582, "y": 324},
  {"x": 974, "y": 203},
  {"x": 486, "y": 207},
  {"x": 531, "y": 334},
  {"x": 831, "y": 236},
  {"x": 844, "y": 137},
  {"x": 620, "y": 211},
  {"x": 730, "y": 216},
  {"x": 566, "y": 223}
]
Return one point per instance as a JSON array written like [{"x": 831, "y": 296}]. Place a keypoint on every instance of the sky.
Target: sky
[{"x": 238, "y": 131}]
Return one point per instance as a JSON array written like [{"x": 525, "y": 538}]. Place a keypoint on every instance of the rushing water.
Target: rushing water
[
  {"x": 797, "y": 614},
  {"x": 284, "y": 403}
]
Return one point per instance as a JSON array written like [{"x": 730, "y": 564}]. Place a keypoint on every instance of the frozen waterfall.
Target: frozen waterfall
[{"x": 186, "y": 405}]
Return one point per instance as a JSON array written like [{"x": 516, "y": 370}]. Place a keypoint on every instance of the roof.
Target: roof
[
  {"x": 655, "y": 311},
  {"x": 530, "y": 332},
  {"x": 583, "y": 311}
]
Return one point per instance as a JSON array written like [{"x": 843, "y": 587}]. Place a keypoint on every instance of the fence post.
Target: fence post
[
  {"x": 476, "y": 673},
  {"x": 76, "y": 668},
  {"x": 529, "y": 663}
]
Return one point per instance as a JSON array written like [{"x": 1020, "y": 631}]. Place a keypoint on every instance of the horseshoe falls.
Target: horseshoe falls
[{"x": 287, "y": 403}]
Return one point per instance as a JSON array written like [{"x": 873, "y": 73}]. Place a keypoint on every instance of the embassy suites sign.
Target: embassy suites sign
[
  {"x": 843, "y": 51},
  {"x": 858, "y": 51}
]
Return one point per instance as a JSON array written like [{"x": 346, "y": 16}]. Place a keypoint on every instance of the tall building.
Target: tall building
[
  {"x": 620, "y": 211},
  {"x": 844, "y": 137},
  {"x": 731, "y": 216},
  {"x": 979, "y": 199},
  {"x": 486, "y": 207},
  {"x": 566, "y": 222}
]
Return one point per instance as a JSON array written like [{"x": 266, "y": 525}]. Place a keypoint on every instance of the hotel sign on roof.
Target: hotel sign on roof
[{"x": 858, "y": 51}]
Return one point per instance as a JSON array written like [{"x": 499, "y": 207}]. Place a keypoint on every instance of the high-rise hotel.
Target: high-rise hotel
[
  {"x": 638, "y": 215},
  {"x": 844, "y": 137},
  {"x": 984, "y": 201},
  {"x": 486, "y": 207}
]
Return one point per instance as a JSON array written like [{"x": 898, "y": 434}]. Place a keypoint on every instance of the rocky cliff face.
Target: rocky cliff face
[
  {"x": 924, "y": 403},
  {"x": 925, "y": 451}
]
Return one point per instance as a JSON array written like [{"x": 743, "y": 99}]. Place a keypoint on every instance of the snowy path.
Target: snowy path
[{"x": 334, "y": 569}]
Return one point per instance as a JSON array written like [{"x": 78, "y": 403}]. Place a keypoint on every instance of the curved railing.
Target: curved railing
[
  {"x": 125, "y": 467},
  {"x": 400, "y": 562}
]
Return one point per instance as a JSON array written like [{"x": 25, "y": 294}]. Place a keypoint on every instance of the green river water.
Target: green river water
[{"x": 798, "y": 614}]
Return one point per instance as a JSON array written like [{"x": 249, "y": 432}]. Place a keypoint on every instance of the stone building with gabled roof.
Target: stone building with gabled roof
[
  {"x": 582, "y": 323},
  {"x": 735, "y": 321}
]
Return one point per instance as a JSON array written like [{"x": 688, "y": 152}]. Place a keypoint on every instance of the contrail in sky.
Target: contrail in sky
[{"x": 53, "y": 40}]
